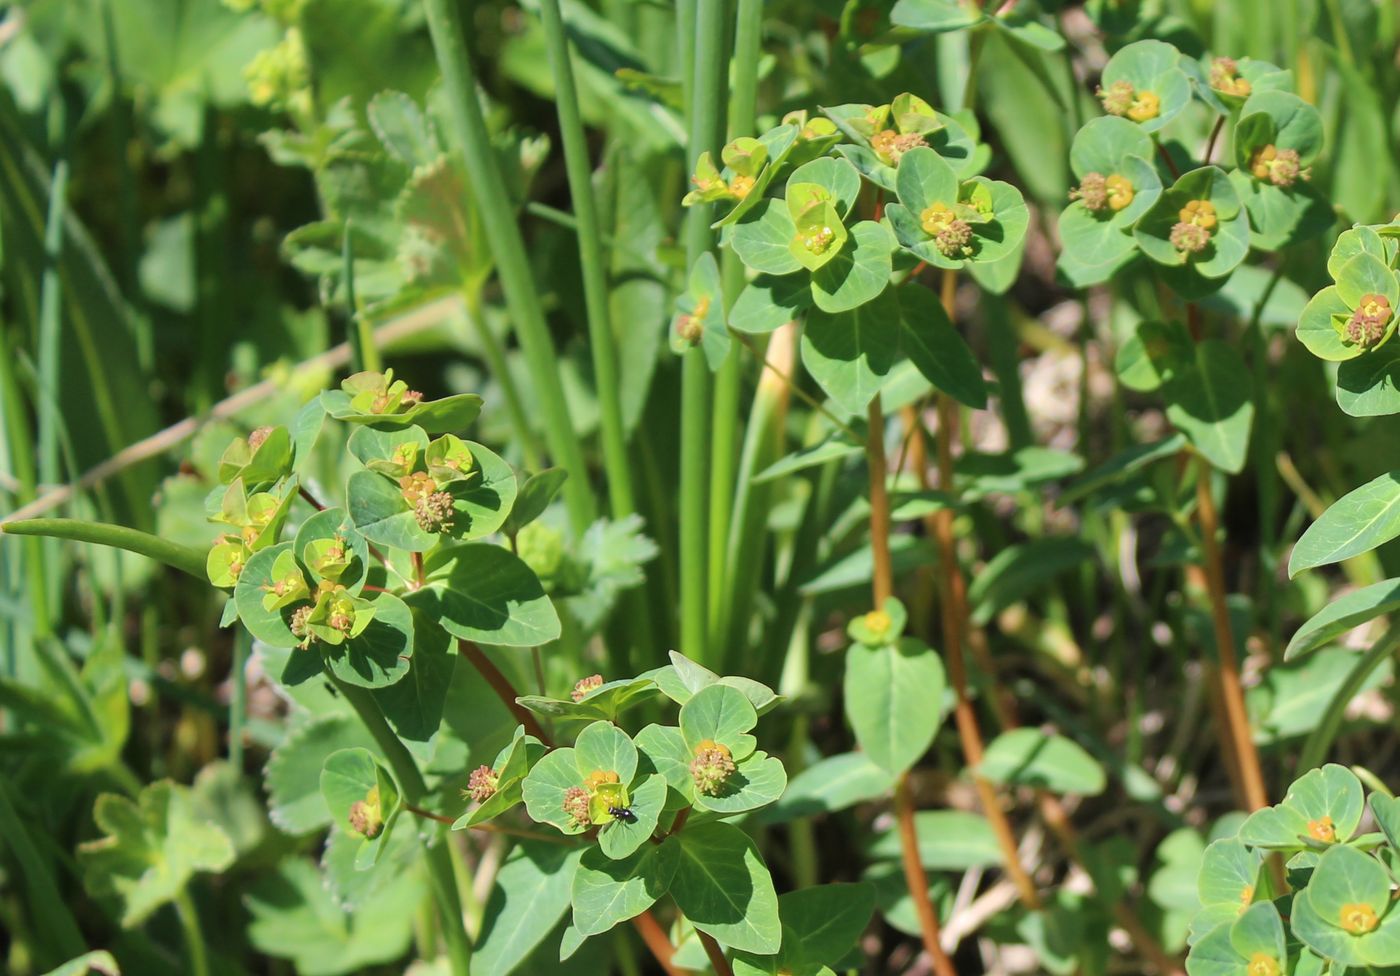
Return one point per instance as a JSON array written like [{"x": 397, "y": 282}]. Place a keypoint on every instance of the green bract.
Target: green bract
[
  {"x": 1197, "y": 230},
  {"x": 1144, "y": 83},
  {"x": 950, "y": 224},
  {"x": 1111, "y": 158}
]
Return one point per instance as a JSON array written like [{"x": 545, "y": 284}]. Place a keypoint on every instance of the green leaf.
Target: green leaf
[
  {"x": 1030, "y": 757},
  {"x": 1345, "y": 876},
  {"x": 834, "y": 175},
  {"x": 935, "y": 16},
  {"x": 723, "y": 887},
  {"x": 1121, "y": 465},
  {"x": 821, "y": 924},
  {"x": 293, "y": 772},
  {"x": 1210, "y": 401},
  {"x": 762, "y": 239},
  {"x": 1282, "y": 216},
  {"x": 756, "y": 782},
  {"x": 1317, "y": 331},
  {"x": 721, "y": 714},
  {"x": 402, "y": 128},
  {"x": 835, "y": 446},
  {"x": 383, "y": 516},
  {"x": 851, "y": 354},
  {"x": 702, "y": 304},
  {"x": 606, "y": 892},
  {"x": 1229, "y": 874},
  {"x": 295, "y": 916},
  {"x": 151, "y": 848},
  {"x": 606, "y": 702},
  {"x": 482, "y": 592},
  {"x": 1018, "y": 571},
  {"x": 828, "y": 785},
  {"x": 535, "y": 495},
  {"x": 603, "y": 746},
  {"x": 949, "y": 840},
  {"x": 665, "y": 748},
  {"x": 858, "y": 272},
  {"x": 1358, "y": 522},
  {"x": 625, "y": 835},
  {"x": 937, "y": 350},
  {"x": 1152, "y": 66},
  {"x": 530, "y": 896},
  {"x": 1229, "y": 239},
  {"x": 1369, "y": 385},
  {"x": 770, "y": 302},
  {"x": 1365, "y": 274},
  {"x": 894, "y": 701},
  {"x": 347, "y": 778},
  {"x": 325, "y": 527},
  {"x": 381, "y": 653},
  {"x": 1292, "y": 698},
  {"x": 544, "y": 788},
  {"x": 269, "y": 626},
  {"x": 1330, "y": 793}
]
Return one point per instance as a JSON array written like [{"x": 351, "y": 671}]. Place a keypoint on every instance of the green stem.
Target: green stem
[
  {"x": 364, "y": 354},
  {"x": 1325, "y": 732},
  {"x": 601, "y": 341},
  {"x": 512, "y": 265},
  {"x": 705, "y": 129},
  {"x": 194, "y": 937},
  {"x": 50, "y": 354},
  {"x": 184, "y": 558},
  {"x": 724, "y": 453},
  {"x": 405, "y": 770}
]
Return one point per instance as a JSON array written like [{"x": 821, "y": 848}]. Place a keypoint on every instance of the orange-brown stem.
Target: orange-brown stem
[
  {"x": 1231, "y": 689},
  {"x": 504, "y": 690},
  {"x": 882, "y": 587},
  {"x": 715, "y": 954},
  {"x": 660, "y": 946}
]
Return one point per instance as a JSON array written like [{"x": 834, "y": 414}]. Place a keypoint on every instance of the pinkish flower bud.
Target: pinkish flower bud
[
  {"x": 482, "y": 784},
  {"x": 586, "y": 685}
]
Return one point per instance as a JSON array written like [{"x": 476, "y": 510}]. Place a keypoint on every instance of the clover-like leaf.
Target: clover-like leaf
[
  {"x": 152, "y": 846},
  {"x": 859, "y": 271},
  {"x": 763, "y": 239},
  {"x": 756, "y": 781},
  {"x": 547, "y": 786},
  {"x": 379, "y": 399},
  {"x": 331, "y": 550},
  {"x": 1346, "y": 912},
  {"x": 630, "y": 827}
]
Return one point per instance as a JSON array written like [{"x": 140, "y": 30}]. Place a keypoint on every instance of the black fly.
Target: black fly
[{"x": 622, "y": 813}]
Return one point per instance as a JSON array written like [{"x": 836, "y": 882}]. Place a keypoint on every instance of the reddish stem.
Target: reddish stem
[
  {"x": 310, "y": 499},
  {"x": 503, "y": 689}
]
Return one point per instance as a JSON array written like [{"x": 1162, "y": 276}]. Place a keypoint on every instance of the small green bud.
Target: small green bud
[{"x": 541, "y": 547}]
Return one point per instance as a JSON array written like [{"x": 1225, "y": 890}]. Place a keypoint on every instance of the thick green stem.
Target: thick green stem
[
  {"x": 705, "y": 129},
  {"x": 601, "y": 341},
  {"x": 405, "y": 770},
  {"x": 725, "y": 493},
  {"x": 490, "y": 196},
  {"x": 184, "y": 558},
  {"x": 194, "y": 937}
]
